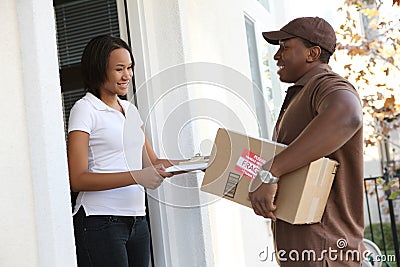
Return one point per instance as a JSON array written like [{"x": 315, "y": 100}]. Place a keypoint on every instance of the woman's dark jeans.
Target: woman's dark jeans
[{"x": 111, "y": 241}]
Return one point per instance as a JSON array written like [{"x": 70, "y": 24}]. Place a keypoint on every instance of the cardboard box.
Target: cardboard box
[{"x": 236, "y": 159}]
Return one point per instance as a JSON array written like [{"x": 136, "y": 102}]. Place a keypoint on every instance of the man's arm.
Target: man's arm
[{"x": 339, "y": 118}]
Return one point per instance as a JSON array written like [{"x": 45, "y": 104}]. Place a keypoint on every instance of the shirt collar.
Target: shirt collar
[
  {"x": 100, "y": 105},
  {"x": 320, "y": 68}
]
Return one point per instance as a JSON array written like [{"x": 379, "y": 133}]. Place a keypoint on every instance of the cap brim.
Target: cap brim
[{"x": 275, "y": 36}]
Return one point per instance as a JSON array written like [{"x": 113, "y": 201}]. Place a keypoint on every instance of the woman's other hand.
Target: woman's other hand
[{"x": 151, "y": 177}]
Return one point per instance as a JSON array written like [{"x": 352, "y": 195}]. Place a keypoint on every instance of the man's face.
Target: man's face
[{"x": 291, "y": 59}]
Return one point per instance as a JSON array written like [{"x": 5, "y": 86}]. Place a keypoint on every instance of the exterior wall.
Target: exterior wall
[
  {"x": 18, "y": 222},
  {"x": 36, "y": 225}
]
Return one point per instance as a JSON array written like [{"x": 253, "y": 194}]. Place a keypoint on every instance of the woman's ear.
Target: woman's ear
[{"x": 314, "y": 53}]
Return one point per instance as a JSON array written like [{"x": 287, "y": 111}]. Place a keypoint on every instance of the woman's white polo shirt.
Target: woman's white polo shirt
[{"x": 115, "y": 145}]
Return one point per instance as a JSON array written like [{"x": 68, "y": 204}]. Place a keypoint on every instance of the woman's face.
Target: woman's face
[{"x": 119, "y": 73}]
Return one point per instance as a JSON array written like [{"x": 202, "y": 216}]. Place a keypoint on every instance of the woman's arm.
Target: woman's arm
[
  {"x": 82, "y": 180},
  {"x": 150, "y": 158}
]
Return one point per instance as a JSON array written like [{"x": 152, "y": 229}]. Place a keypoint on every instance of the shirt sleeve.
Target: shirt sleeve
[
  {"x": 133, "y": 115},
  {"x": 140, "y": 122},
  {"x": 327, "y": 87},
  {"x": 80, "y": 118}
]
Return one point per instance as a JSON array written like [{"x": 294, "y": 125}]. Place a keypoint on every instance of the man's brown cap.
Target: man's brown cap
[{"x": 313, "y": 29}]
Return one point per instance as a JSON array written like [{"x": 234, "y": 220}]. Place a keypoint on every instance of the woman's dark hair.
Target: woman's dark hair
[
  {"x": 94, "y": 61},
  {"x": 325, "y": 54}
]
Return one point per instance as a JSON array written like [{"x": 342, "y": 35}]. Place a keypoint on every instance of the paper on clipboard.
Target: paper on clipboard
[
  {"x": 194, "y": 164},
  {"x": 187, "y": 167}
]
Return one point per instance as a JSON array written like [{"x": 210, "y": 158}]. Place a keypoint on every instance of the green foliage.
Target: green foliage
[
  {"x": 392, "y": 186},
  {"x": 394, "y": 195},
  {"x": 387, "y": 233}
]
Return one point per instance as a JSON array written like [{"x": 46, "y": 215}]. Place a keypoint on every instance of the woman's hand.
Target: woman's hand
[{"x": 151, "y": 177}]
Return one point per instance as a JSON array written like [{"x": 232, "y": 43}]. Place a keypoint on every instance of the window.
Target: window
[
  {"x": 258, "y": 91},
  {"x": 367, "y": 31},
  {"x": 76, "y": 23},
  {"x": 265, "y": 4}
]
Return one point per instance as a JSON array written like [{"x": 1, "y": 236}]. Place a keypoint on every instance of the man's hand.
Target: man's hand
[{"x": 262, "y": 200}]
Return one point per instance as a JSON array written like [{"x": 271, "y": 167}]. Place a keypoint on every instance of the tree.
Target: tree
[{"x": 369, "y": 41}]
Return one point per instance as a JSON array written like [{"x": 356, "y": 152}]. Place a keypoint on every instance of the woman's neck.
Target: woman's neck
[{"x": 111, "y": 100}]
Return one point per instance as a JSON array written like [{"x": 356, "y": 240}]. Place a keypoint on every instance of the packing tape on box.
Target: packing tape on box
[
  {"x": 321, "y": 173},
  {"x": 313, "y": 209}
]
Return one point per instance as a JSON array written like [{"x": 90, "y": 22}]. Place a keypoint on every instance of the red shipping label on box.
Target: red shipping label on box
[{"x": 249, "y": 164}]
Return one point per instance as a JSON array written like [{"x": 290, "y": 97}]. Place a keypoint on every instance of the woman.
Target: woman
[{"x": 107, "y": 150}]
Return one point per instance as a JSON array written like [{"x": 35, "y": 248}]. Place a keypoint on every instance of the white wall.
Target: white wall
[
  {"x": 17, "y": 223},
  {"x": 36, "y": 224}
]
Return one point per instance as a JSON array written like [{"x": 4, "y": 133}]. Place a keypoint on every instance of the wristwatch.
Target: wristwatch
[{"x": 267, "y": 178}]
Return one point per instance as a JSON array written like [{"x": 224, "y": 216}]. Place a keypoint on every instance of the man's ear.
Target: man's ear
[{"x": 314, "y": 53}]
